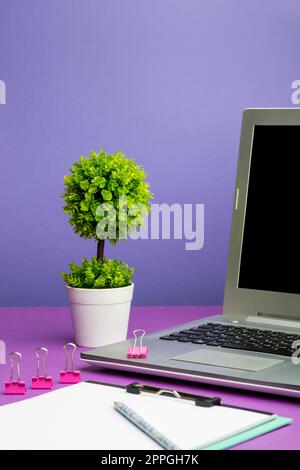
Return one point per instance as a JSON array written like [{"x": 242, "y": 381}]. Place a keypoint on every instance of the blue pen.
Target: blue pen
[{"x": 138, "y": 421}]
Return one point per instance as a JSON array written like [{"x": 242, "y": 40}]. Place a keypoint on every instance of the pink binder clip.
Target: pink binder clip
[
  {"x": 44, "y": 382},
  {"x": 15, "y": 387},
  {"x": 138, "y": 352},
  {"x": 68, "y": 376}
]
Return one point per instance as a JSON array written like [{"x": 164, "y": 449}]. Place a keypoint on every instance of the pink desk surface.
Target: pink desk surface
[{"x": 24, "y": 329}]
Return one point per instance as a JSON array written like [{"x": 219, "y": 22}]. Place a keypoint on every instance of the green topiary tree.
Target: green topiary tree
[{"x": 106, "y": 196}]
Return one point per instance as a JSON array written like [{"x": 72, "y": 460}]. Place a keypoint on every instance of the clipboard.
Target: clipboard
[
  {"x": 82, "y": 416},
  {"x": 137, "y": 388}
]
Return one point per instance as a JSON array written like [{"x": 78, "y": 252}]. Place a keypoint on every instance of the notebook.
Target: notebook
[{"x": 82, "y": 416}]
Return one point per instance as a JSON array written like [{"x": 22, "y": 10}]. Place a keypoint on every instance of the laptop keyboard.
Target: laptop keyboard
[{"x": 237, "y": 337}]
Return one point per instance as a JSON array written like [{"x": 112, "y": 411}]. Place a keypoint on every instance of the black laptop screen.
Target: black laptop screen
[{"x": 270, "y": 258}]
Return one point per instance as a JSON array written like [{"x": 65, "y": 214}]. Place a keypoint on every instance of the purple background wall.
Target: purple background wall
[{"x": 163, "y": 80}]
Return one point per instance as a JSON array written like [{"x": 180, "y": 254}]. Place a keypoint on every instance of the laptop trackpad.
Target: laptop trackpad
[{"x": 227, "y": 359}]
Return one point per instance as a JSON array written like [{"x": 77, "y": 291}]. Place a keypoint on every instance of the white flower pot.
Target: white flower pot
[{"x": 100, "y": 316}]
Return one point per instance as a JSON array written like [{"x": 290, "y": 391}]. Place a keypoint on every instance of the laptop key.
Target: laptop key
[
  {"x": 198, "y": 337},
  {"x": 189, "y": 332},
  {"x": 179, "y": 335},
  {"x": 169, "y": 337},
  {"x": 284, "y": 352}
]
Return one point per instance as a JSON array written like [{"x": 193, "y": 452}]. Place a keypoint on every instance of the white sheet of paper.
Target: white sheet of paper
[{"x": 82, "y": 416}]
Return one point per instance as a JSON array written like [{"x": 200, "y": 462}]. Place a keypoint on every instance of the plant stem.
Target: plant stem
[{"x": 100, "y": 249}]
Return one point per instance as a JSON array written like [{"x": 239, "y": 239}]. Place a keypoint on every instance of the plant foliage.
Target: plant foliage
[
  {"x": 97, "y": 273},
  {"x": 104, "y": 178}
]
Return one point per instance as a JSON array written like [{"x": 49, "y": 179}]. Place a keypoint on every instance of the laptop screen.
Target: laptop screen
[{"x": 270, "y": 258}]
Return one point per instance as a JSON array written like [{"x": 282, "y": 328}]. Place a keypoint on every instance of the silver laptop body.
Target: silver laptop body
[{"x": 254, "y": 344}]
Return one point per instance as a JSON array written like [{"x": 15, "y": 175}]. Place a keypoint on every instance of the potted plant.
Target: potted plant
[{"x": 106, "y": 196}]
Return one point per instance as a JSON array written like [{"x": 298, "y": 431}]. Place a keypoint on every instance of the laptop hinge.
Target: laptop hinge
[{"x": 268, "y": 320}]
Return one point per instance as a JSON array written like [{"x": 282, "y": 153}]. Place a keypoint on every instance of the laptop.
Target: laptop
[{"x": 254, "y": 344}]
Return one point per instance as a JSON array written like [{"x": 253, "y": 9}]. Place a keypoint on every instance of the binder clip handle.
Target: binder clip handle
[
  {"x": 138, "y": 351},
  {"x": 69, "y": 376},
  {"x": 18, "y": 357},
  {"x": 15, "y": 387},
  {"x": 74, "y": 347},
  {"x": 43, "y": 382},
  {"x": 36, "y": 352},
  {"x": 139, "y": 330}
]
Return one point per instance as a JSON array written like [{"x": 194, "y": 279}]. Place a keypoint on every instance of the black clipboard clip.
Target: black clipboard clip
[{"x": 137, "y": 388}]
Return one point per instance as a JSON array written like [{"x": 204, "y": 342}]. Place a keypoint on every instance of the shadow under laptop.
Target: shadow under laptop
[{"x": 230, "y": 396}]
